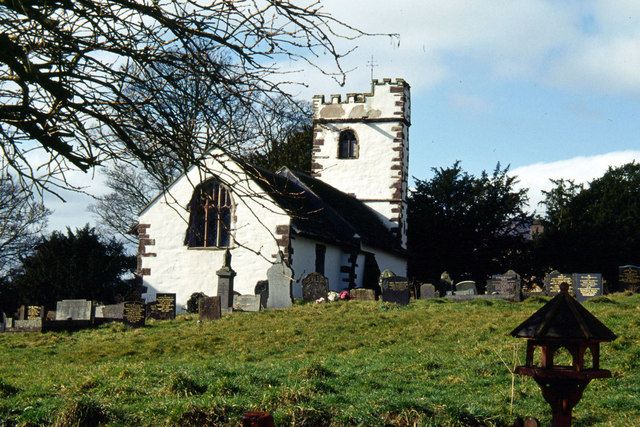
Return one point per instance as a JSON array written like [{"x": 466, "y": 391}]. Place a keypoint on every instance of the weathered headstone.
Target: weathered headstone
[
  {"x": 133, "y": 313},
  {"x": 508, "y": 284},
  {"x": 314, "y": 286},
  {"x": 225, "y": 282},
  {"x": 35, "y": 312},
  {"x": 629, "y": 278},
  {"x": 279, "y": 276},
  {"x": 587, "y": 286},
  {"x": 262, "y": 290},
  {"x": 445, "y": 285},
  {"x": 386, "y": 274},
  {"x": 553, "y": 280},
  {"x": 362, "y": 294},
  {"x": 74, "y": 309},
  {"x": 427, "y": 290},
  {"x": 22, "y": 313},
  {"x": 246, "y": 303},
  {"x": 113, "y": 311},
  {"x": 32, "y": 325},
  {"x": 209, "y": 308},
  {"x": 468, "y": 287},
  {"x": 164, "y": 307},
  {"x": 51, "y": 315},
  {"x": 396, "y": 289}
]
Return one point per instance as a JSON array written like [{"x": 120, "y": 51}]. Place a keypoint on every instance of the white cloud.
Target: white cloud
[{"x": 581, "y": 169}]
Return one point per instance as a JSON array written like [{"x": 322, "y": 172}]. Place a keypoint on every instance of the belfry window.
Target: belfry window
[
  {"x": 347, "y": 145},
  {"x": 210, "y": 216}
]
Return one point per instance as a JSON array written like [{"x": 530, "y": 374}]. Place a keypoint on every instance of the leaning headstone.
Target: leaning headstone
[
  {"x": 587, "y": 286},
  {"x": 507, "y": 285},
  {"x": 225, "y": 282},
  {"x": 74, "y": 309},
  {"x": 553, "y": 280},
  {"x": 246, "y": 303},
  {"x": 396, "y": 289},
  {"x": 262, "y": 289},
  {"x": 164, "y": 307},
  {"x": 279, "y": 276},
  {"x": 209, "y": 308},
  {"x": 629, "y": 278},
  {"x": 35, "y": 312},
  {"x": 362, "y": 294},
  {"x": 427, "y": 290},
  {"x": 468, "y": 287},
  {"x": 314, "y": 287},
  {"x": 133, "y": 313}
]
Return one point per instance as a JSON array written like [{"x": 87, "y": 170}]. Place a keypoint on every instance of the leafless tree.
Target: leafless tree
[
  {"x": 22, "y": 221},
  {"x": 67, "y": 69}
]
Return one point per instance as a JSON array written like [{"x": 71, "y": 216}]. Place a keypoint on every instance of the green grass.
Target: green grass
[{"x": 433, "y": 363}]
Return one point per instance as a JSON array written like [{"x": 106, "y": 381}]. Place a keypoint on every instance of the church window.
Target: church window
[
  {"x": 347, "y": 145},
  {"x": 210, "y": 216},
  {"x": 321, "y": 250}
]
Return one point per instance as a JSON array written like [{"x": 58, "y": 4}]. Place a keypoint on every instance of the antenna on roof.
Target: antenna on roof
[{"x": 372, "y": 64}]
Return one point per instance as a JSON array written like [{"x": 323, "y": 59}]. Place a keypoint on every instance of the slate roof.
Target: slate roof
[
  {"x": 563, "y": 318},
  {"x": 323, "y": 212}
]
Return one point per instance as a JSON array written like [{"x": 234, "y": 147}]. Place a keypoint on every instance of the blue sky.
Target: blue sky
[{"x": 550, "y": 88}]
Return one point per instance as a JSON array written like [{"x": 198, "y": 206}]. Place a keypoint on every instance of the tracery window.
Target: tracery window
[
  {"x": 210, "y": 216},
  {"x": 347, "y": 145}
]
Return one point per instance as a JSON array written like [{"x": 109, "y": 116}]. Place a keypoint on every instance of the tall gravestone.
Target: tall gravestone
[
  {"x": 553, "y": 280},
  {"x": 225, "y": 282},
  {"x": 629, "y": 278},
  {"x": 74, "y": 309},
  {"x": 35, "y": 312},
  {"x": 133, "y": 313},
  {"x": 314, "y": 287},
  {"x": 508, "y": 284},
  {"x": 427, "y": 290},
  {"x": 467, "y": 287},
  {"x": 396, "y": 289},
  {"x": 279, "y": 276},
  {"x": 262, "y": 290},
  {"x": 587, "y": 285},
  {"x": 209, "y": 308}
]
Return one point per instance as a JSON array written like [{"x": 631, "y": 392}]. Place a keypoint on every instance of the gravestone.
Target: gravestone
[
  {"x": 164, "y": 307},
  {"x": 362, "y": 294},
  {"x": 74, "y": 309},
  {"x": 396, "y": 289},
  {"x": 112, "y": 311},
  {"x": 32, "y": 325},
  {"x": 468, "y": 287},
  {"x": 22, "y": 313},
  {"x": 553, "y": 280},
  {"x": 508, "y": 284},
  {"x": 225, "y": 282},
  {"x": 279, "y": 276},
  {"x": 133, "y": 313},
  {"x": 629, "y": 278},
  {"x": 35, "y": 312},
  {"x": 386, "y": 274},
  {"x": 587, "y": 286},
  {"x": 445, "y": 285},
  {"x": 427, "y": 290},
  {"x": 262, "y": 290},
  {"x": 51, "y": 315},
  {"x": 246, "y": 303},
  {"x": 209, "y": 308},
  {"x": 314, "y": 287}
]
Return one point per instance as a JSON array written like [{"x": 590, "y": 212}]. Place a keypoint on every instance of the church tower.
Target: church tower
[{"x": 361, "y": 147}]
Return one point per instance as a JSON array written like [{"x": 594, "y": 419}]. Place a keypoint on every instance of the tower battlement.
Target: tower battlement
[{"x": 387, "y": 101}]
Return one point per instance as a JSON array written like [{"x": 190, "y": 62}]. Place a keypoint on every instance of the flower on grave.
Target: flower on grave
[
  {"x": 332, "y": 296},
  {"x": 320, "y": 300},
  {"x": 344, "y": 295}
]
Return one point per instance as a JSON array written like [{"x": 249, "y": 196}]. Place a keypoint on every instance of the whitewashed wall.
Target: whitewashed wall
[
  {"x": 304, "y": 262},
  {"x": 389, "y": 261},
  {"x": 181, "y": 270}
]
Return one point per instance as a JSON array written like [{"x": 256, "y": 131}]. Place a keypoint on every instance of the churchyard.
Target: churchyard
[{"x": 435, "y": 361}]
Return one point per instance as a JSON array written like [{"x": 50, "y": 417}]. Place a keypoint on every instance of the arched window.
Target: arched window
[
  {"x": 347, "y": 145},
  {"x": 210, "y": 216}
]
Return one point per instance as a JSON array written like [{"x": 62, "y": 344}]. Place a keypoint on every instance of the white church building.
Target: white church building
[{"x": 347, "y": 220}]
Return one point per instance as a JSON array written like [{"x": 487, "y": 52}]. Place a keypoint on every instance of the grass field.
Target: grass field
[{"x": 350, "y": 363}]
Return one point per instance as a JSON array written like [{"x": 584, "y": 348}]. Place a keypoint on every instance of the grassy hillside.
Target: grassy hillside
[{"x": 350, "y": 363}]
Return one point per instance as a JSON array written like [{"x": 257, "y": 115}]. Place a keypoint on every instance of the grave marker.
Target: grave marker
[
  {"x": 629, "y": 278},
  {"x": 74, "y": 309},
  {"x": 225, "y": 282},
  {"x": 587, "y": 286},
  {"x": 133, "y": 313},
  {"x": 508, "y": 284},
  {"x": 246, "y": 302},
  {"x": 553, "y": 280},
  {"x": 113, "y": 311},
  {"x": 468, "y": 287},
  {"x": 21, "y": 313},
  {"x": 427, "y": 290},
  {"x": 35, "y": 312},
  {"x": 396, "y": 289},
  {"x": 33, "y": 325},
  {"x": 164, "y": 307},
  {"x": 279, "y": 276},
  {"x": 314, "y": 286},
  {"x": 362, "y": 294},
  {"x": 209, "y": 308},
  {"x": 262, "y": 289}
]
